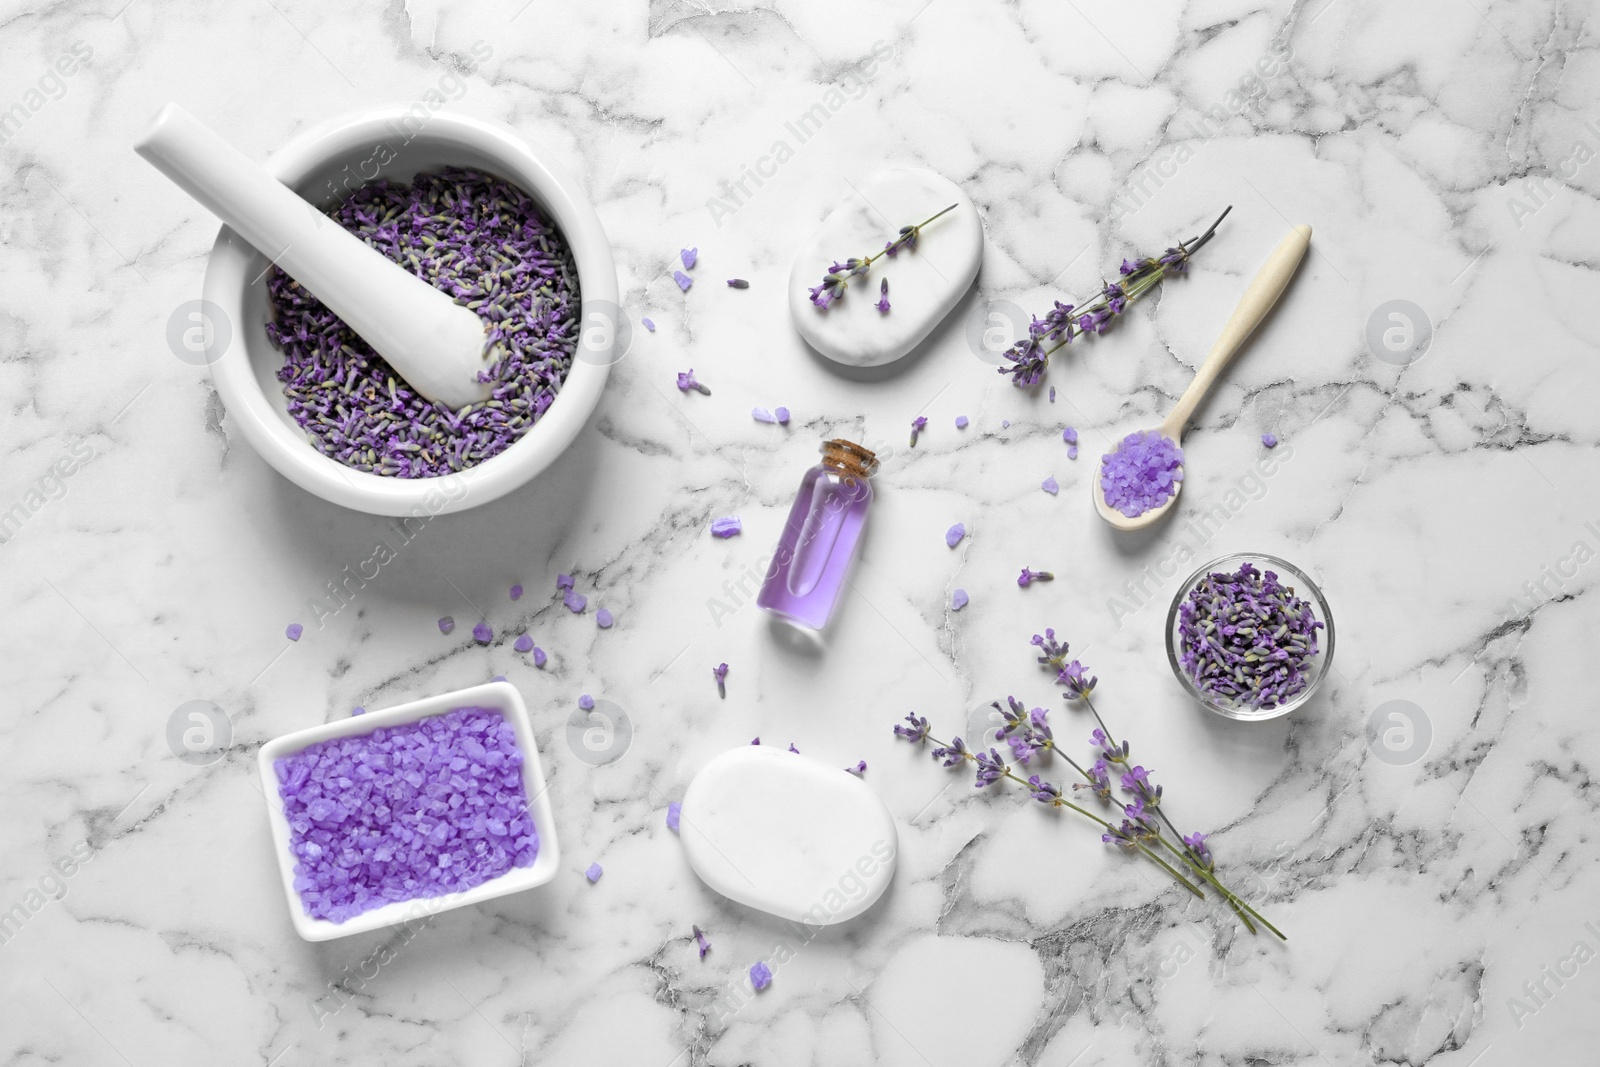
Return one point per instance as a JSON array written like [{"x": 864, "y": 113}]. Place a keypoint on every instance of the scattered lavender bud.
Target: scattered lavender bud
[
  {"x": 683, "y": 280},
  {"x": 738, "y": 283},
  {"x": 293, "y": 631},
  {"x": 539, "y": 658},
  {"x": 586, "y": 702},
  {"x": 958, "y": 599},
  {"x": 1270, "y": 440},
  {"x": 1052, "y": 394},
  {"x": 726, "y": 527},
  {"x": 782, "y": 415},
  {"x": 1050, "y": 485},
  {"x": 446, "y": 624},
  {"x": 953, "y": 536},
  {"x": 755, "y": 741},
  {"x": 688, "y": 256},
  {"x": 575, "y": 601},
  {"x": 961, "y": 422},
  {"x": 762, "y": 415},
  {"x": 720, "y": 671},
  {"x": 700, "y": 939},
  {"x": 760, "y": 976},
  {"x": 651, "y": 326},
  {"x": 796, "y": 751},
  {"x": 594, "y": 872},
  {"x": 482, "y": 634},
  {"x": 918, "y": 424},
  {"x": 524, "y": 643},
  {"x": 1028, "y": 577},
  {"x": 603, "y": 618},
  {"x": 674, "y": 812},
  {"x": 687, "y": 381},
  {"x": 516, "y": 592},
  {"x": 883, "y": 297},
  {"x": 859, "y": 769}
]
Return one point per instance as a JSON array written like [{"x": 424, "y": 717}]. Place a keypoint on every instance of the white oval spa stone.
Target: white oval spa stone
[
  {"x": 923, "y": 285},
  {"x": 788, "y": 835}
]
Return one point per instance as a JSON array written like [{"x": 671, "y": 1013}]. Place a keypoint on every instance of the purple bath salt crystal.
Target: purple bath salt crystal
[
  {"x": 575, "y": 601},
  {"x": 1072, "y": 451},
  {"x": 1050, "y": 485},
  {"x": 594, "y": 872},
  {"x": 683, "y": 280},
  {"x": 782, "y": 415},
  {"x": 358, "y": 710},
  {"x": 1069, "y": 435},
  {"x": 762, "y": 415},
  {"x": 961, "y": 422},
  {"x": 498, "y": 678},
  {"x": 1270, "y": 439},
  {"x": 293, "y": 631},
  {"x": 953, "y": 536},
  {"x": 482, "y": 634},
  {"x": 564, "y": 581},
  {"x": 1142, "y": 473},
  {"x": 674, "y": 812},
  {"x": 603, "y": 618},
  {"x": 958, "y": 599},
  {"x": 1005, "y": 424},
  {"x": 524, "y": 644},
  {"x": 688, "y": 256},
  {"x": 586, "y": 702},
  {"x": 726, "y": 526},
  {"x": 539, "y": 658},
  {"x": 446, "y": 624},
  {"x": 648, "y": 324},
  {"x": 760, "y": 976},
  {"x": 406, "y": 812},
  {"x": 516, "y": 592}
]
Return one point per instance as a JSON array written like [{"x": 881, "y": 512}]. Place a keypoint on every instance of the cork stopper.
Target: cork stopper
[{"x": 847, "y": 457}]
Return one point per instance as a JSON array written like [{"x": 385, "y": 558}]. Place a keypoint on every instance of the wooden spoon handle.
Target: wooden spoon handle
[{"x": 1268, "y": 284}]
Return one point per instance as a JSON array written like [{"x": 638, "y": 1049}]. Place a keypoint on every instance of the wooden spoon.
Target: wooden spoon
[{"x": 1268, "y": 284}]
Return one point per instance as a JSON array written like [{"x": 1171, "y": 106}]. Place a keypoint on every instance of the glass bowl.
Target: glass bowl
[{"x": 1296, "y": 582}]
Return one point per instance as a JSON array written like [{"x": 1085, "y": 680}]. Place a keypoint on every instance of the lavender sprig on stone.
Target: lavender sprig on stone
[
  {"x": 837, "y": 280},
  {"x": 1138, "y": 824},
  {"x": 1029, "y": 356},
  {"x": 487, "y": 245}
]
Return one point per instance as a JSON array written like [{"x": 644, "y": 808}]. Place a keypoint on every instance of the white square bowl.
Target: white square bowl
[{"x": 503, "y": 697}]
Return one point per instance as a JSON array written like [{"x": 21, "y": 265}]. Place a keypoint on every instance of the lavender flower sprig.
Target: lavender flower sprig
[
  {"x": 1144, "y": 822},
  {"x": 1029, "y": 356},
  {"x": 837, "y": 280}
]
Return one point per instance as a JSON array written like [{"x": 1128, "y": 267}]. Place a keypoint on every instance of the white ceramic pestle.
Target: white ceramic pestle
[{"x": 436, "y": 344}]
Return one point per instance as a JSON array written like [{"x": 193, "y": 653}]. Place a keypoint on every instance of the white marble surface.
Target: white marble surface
[{"x": 1419, "y": 898}]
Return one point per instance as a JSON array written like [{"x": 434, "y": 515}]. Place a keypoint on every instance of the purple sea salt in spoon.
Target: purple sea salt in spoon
[{"x": 1147, "y": 483}]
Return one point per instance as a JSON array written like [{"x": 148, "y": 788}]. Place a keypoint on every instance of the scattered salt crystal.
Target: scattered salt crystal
[
  {"x": 760, "y": 975},
  {"x": 762, "y": 415},
  {"x": 293, "y": 631},
  {"x": 782, "y": 415},
  {"x": 648, "y": 325},
  {"x": 358, "y": 710},
  {"x": 564, "y": 581},
  {"x": 689, "y": 256},
  {"x": 1069, "y": 435},
  {"x": 1050, "y": 485},
  {"x": 594, "y": 872},
  {"x": 524, "y": 644},
  {"x": 958, "y": 600},
  {"x": 1072, "y": 451},
  {"x": 603, "y": 618},
  {"x": 482, "y": 634},
  {"x": 539, "y": 657},
  {"x": 683, "y": 280},
  {"x": 674, "y": 810},
  {"x": 446, "y": 624},
  {"x": 726, "y": 526},
  {"x": 953, "y": 536},
  {"x": 575, "y": 601},
  {"x": 516, "y": 592},
  {"x": 1270, "y": 440},
  {"x": 586, "y": 702},
  {"x": 961, "y": 422}
]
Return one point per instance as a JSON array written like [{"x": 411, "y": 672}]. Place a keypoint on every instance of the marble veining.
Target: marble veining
[{"x": 1433, "y": 861}]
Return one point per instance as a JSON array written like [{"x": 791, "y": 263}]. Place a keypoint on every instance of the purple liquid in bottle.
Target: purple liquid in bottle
[{"x": 821, "y": 536}]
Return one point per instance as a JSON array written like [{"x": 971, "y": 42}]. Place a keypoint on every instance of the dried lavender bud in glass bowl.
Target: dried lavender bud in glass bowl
[{"x": 1249, "y": 636}]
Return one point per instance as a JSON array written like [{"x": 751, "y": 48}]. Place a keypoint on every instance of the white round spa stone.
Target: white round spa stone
[
  {"x": 788, "y": 835},
  {"x": 923, "y": 285}
]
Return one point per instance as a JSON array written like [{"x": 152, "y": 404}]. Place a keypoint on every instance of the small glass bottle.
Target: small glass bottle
[{"x": 820, "y": 538}]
